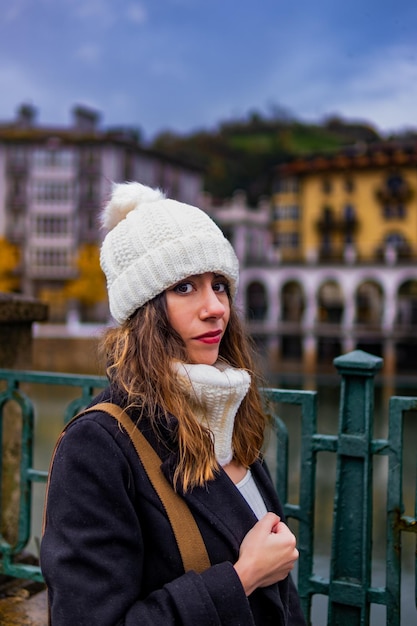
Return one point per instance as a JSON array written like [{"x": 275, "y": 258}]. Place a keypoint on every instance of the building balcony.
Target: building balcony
[
  {"x": 89, "y": 169},
  {"x": 331, "y": 224},
  {"x": 16, "y": 203},
  {"x": 327, "y": 223},
  {"x": 393, "y": 255},
  {"x": 399, "y": 194},
  {"x": 17, "y": 167},
  {"x": 349, "y": 224},
  {"x": 330, "y": 256},
  {"x": 43, "y": 272}
]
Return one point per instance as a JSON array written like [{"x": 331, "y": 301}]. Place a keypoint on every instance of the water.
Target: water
[{"x": 50, "y": 403}]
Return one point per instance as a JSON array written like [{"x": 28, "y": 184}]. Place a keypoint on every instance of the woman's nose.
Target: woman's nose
[{"x": 211, "y": 305}]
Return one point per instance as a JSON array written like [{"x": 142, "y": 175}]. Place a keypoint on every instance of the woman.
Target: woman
[{"x": 179, "y": 363}]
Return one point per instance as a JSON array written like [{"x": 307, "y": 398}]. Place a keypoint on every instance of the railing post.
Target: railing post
[
  {"x": 17, "y": 314},
  {"x": 350, "y": 570}
]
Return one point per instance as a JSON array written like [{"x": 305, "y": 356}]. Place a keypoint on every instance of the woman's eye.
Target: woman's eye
[
  {"x": 183, "y": 288},
  {"x": 220, "y": 287}
]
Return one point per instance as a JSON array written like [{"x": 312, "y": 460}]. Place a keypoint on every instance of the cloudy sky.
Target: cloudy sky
[{"x": 189, "y": 64}]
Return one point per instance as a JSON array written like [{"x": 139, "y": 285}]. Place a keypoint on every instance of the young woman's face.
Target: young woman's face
[{"x": 198, "y": 310}]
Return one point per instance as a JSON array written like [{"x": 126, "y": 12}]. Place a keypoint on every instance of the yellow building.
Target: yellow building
[
  {"x": 342, "y": 274},
  {"x": 358, "y": 205}
]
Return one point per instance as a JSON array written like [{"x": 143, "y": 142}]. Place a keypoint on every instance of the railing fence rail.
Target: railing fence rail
[{"x": 348, "y": 587}]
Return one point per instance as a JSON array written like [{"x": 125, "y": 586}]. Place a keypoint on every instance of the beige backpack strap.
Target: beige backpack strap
[{"x": 190, "y": 542}]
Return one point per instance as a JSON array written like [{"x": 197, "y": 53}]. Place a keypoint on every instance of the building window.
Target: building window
[
  {"x": 397, "y": 240},
  {"x": 47, "y": 225},
  {"x": 256, "y": 301},
  {"x": 92, "y": 191},
  {"x": 90, "y": 158},
  {"x": 393, "y": 211},
  {"x": 395, "y": 184},
  {"x": 349, "y": 223},
  {"x": 327, "y": 221},
  {"x": 52, "y": 257},
  {"x": 349, "y": 212},
  {"x": 17, "y": 189},
  {"x": 394, "y": 191},
  {"x": 326, "y": 247},
  {"x": 398, "y": 243},
  {"x": 53, "y": 158},
  {"x": 287, "y": 212},
  {"x": 47, "y": 191},
  {"x": 287, "y": 240},
  {"x": 349, "y": 185},
  {"x": 17, "y": 156},
  {"x": 286, "y": 185},
  {"x": 326, "y": 186}
]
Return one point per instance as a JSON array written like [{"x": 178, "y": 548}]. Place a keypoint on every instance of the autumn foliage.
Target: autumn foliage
[
  {"x": 89, "y": 287},
  {"x": 9, "y": 262}
]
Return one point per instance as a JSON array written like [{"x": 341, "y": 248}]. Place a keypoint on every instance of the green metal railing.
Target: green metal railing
[
  {"x": 349, "y": 591},
  {"x": 28, "y": 474},
  {"x": 348, "y": 587}
]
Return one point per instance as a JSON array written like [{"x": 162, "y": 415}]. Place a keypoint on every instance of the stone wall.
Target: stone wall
[{"x": 73, "y": 355}]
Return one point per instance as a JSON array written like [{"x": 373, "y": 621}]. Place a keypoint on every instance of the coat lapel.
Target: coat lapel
[{"x": 220, "y": 504}]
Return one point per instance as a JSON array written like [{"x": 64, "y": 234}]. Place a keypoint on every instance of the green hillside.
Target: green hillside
[{"x": 241, "y": 154}]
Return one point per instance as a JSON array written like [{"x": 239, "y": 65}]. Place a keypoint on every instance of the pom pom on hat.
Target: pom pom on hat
[
  {"x": 153, "y": 243},
  {"x": 125, "y": 198}
]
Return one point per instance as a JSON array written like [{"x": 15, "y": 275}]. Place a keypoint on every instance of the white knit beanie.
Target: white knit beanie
[{"x": 153, "y": 242}]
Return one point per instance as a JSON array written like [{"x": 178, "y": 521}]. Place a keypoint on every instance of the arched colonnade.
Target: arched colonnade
[{"x": 352, "y": 307}]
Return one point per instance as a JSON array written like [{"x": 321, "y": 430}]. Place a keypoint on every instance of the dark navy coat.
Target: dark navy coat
[{"x": 109, "y": 555}]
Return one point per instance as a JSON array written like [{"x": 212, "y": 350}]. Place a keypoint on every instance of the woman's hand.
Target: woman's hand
[{"x": 267, "y": 554}]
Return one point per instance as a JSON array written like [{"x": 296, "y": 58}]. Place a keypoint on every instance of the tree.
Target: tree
[
  {"x": 9, "y": 261},
  {"x": 242, "y": 153},
  {"x": 90, "y": 287}
]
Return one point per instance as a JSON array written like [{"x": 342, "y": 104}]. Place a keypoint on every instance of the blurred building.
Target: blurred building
[
  {"x": 341, "y": 270},
  {"x": 328, "y": 263},
  {"x": 247, "y": 228},
  {"x": 359, "y": 205},
  {"x": 53, "y": 182}
]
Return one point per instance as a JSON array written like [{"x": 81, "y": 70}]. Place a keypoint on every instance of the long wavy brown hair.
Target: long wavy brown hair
[{"x": 139, "y": 356}]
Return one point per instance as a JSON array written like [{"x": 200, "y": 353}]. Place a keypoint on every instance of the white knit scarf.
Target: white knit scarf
[{"x": 216, "y": 393}]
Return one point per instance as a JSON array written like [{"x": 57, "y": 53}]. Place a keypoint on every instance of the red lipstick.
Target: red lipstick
[{"x": 213, "y": 336}]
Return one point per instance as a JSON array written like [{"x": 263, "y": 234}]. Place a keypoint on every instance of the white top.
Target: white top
[{"x": 250, "y": 492}]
